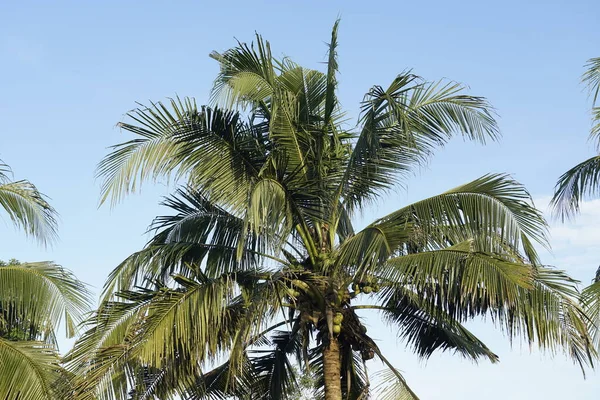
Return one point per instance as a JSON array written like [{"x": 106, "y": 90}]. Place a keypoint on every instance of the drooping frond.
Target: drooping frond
[
  {"x": 539, "y": 304},
  {"x": 275, "y": 373},
  {"x": 212, "y": 148},
  {"x": 27, "y": 207},
  {"x": 43, "y": 294},
  {"x": 178, "y": 331},
  {"x": 492, "y": 206},
  {"x": 493, "y": 212},
  {"x": 591, "y": 303},
  {"x": 575, "y": 185},
  {"x": 469, "y": 282},
  {"x": 591, "y": 77},
  {"x": 390, "y": 387},
  {"x": 200, "y": 235},
  {"x": 426, "y": 329}
]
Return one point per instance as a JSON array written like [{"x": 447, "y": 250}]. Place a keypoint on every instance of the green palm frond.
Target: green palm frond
[
  {"x": 199, "y": 234},
  {"x": 591, "y": 77},
  {"x": 493, "y": 212},
  {"x": 174, "y": 141},
  {"x": 456, "y": 279},
  {"x": 30, "y": 370},
  {"x": 332, "y": 69},
  {"x": 27, "y": 207},
  {"x": 203, "y": 318},
  {"x": 390, "y": 387},
  {"x": 427, "y": 329},
  {"x": 591, "y": 303},
  {"x": 493, "y": 205},
  {"x": 247, "y": 74},
  {"x": 575, "y": 185},
  {"x": 401, "y": 125},
  {"x": 43, "y": 294}
]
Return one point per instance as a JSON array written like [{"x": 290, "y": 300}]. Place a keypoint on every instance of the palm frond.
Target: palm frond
[
  {"x": 575, "y": 185},
  {"x": 211, "y": 147},
  {"x": 391, "y": 388},
  {"x": 401, "y": 125},
  {"x": 591, "y": 77},
  {"x": 427, "y": 330},
  {"x": 247, "y": 74},
  {"x": 27, "y": 207},
  {"x": 493, "y": 206},
  {"x": 332, "y": 68},
  {"x": 30, "y": 370},
  {"x": 43, "y": 294},
  {"x": 591, "y": 304},
  {"x": 178, "y": 331}
]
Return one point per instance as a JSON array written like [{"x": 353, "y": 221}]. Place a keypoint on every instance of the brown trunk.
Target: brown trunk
[{"x": 331, "y": 370}]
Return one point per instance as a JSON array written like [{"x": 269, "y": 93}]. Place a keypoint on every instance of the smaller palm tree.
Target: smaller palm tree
[
  {"x": 583, "y": 180},
  {"x": 35, "y": 299},
  {"x": 26, "y": 206}
]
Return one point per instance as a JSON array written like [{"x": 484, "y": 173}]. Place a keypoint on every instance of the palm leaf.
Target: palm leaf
[
  {"x": 591, "y": 77},
  {"x": 400, "y": 127},
  {"x": 575, "y": 185},
  {"x": 30, "y": 370},
  {"x": 27, "y": 207},
  {"x": 43, "y": 294},
  {"x": 176, "y": 141}
]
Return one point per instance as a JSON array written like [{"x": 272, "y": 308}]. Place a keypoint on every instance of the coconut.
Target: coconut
[{"x": 338, "y": 318}]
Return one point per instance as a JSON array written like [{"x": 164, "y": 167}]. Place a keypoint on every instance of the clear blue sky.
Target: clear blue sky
[{"x": 70, "y": 70}]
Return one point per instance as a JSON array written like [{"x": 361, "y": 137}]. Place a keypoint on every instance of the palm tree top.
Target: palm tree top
[{"x": 258, "y": 262}]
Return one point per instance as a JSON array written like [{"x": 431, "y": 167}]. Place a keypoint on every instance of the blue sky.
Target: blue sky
[{"x": 70, "y": 70}]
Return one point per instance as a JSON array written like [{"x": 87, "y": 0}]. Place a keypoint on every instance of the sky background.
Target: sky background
[{"x": 70, "y": 70}]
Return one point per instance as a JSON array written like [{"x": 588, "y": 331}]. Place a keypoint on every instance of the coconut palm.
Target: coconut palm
[
  {"x": 26, "y": 206},
  {"x": 258, "y": 268},
  {"x": 35, "y": 298},
  {"x": 583, "y": 180}
]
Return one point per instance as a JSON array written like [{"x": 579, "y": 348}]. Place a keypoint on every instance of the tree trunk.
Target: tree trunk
[{"x": 331, "y": 370}]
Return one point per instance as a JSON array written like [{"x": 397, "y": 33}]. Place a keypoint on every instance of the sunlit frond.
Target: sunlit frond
[
  {"x": 43, "y": 294},
  {"x": 212, "y": 148},
  {"x": 30, "y": 370},
  {"x": 27, "y": 207},
  {"x": 401, "y": 125}
]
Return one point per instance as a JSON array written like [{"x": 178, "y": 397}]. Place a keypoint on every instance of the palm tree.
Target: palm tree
[
  {"x": 26, "y": 206},
  {"x": 583, "y": 180},
  {"x": 258, "y": 263},
  {"x": 35, "y": 298}
]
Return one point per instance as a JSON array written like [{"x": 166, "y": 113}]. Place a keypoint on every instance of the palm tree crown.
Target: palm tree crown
[{"x": 258, "y": 263}]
